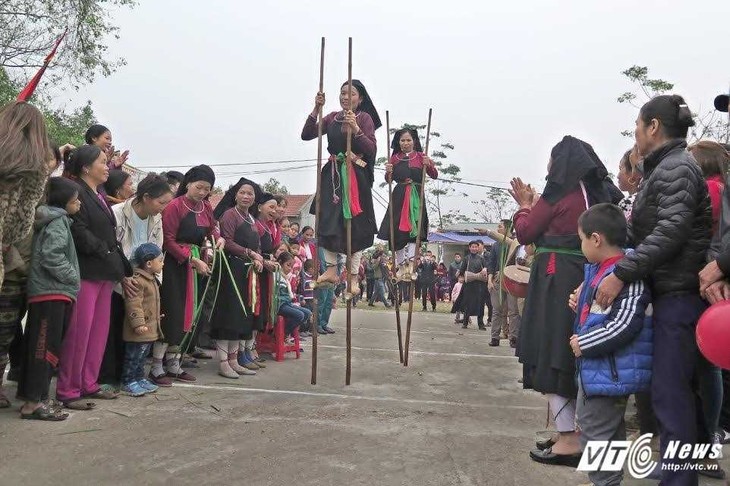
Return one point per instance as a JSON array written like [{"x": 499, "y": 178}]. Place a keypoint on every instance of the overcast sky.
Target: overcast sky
[{"x": 224, "y": 82}]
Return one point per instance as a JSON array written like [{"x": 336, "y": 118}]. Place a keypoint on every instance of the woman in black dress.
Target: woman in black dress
[
  {"x": 405, "y": 167},
  {"x": 266, "y": 215},
  {"x": 346, "y": 187},
  {"x": 233, "y": 319},
  {"x": 186, "y": 224}
]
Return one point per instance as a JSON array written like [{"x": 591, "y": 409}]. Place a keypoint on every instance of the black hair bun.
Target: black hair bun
[{"x": 684, "y": 115}]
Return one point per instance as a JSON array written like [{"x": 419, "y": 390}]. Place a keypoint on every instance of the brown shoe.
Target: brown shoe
[
  {"x": 182, "y": 376},
  {"x": 161, "y": 380}
]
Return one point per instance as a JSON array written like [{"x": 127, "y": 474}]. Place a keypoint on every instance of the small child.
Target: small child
[
  {"x": 296, "y": 266},
  {"x": 294, "y": 315},
  {"x": 142, "y": 320},
  {"x": 54, "y": 280},
  {"x": 306, "y": 287},
  {"x": 456, "y": 305},
  {"x": 613, "y": 347},
  {"x": 283, "y": 247}
]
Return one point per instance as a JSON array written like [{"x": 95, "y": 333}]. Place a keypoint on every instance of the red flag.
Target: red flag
[{"x": 30, "y": 88}]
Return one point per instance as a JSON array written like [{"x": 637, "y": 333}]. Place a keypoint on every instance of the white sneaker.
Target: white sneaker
[{"x": 717, "y": 438}]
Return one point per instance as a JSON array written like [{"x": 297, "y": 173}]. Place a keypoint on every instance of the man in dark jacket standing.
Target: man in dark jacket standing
[
  {"x": 427, "y": 275},
  {"x": 670, "y": 227}
]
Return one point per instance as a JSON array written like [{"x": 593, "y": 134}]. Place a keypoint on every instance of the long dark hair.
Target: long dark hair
[
  {"x": 95, "y": 131},
  {"x": 81, "y": 157}
]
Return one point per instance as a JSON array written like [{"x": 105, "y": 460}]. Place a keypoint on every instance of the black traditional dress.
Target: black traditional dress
[
  {"x": 407, "y": 173},
  {"x": 576, "y": 180},
  {"x": 233, "y": 316},
  {"x": 182, "y": 229},
  {"x": 472, "y": 297},
  {"x": 358, "y": 179},
  {"x": 266, "y": 278}
]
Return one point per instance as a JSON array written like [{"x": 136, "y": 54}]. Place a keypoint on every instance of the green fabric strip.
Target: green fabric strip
[
  {"x": 415, "y": 209},
  {"x": 345, "y": 184},
  {"x": 562, "y": 251}
]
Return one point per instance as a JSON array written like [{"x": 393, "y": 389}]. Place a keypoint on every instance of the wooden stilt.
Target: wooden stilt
[
  {"x": 316, "y": 217},
  {"x": 418, "y": 243},
  {"x": 396, "y": 300},
  {"x": 348, "y": 223}
]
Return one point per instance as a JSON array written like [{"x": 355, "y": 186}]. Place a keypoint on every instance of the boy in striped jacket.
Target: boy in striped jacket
[{"x": 613, "y": 346}]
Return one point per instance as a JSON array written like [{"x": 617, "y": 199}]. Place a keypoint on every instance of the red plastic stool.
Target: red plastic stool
[{"x": 271, "y": 341}]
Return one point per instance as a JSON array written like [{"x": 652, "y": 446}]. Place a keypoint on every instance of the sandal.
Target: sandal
[
  {"x": 79, "y": 405},
  {"x": 103, "y": 395},
  {"x": 44, "y": 413}
]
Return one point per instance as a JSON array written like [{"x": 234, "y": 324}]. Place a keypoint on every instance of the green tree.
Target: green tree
[
  {"x": 275, "y": 187},
  {"x": 30, "y": 28},
  {"x": 497, "y": 205},
  {"x": 709, "y": 124},
  {"x": 63, "y": 127}
]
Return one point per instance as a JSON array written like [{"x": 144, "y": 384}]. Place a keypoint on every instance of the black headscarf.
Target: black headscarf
[
  {"x": 261, "y": 198},
  {"x": 574, "y": 160},
  {"x": 229, "y": 198},
  {"x": 395, "y": 145},
  {"x": 198, "y": 173},
  {"x": 366, "y": 103}
]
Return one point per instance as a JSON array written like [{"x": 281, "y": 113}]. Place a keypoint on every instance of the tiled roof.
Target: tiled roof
[{"x": 296, "y": 203}]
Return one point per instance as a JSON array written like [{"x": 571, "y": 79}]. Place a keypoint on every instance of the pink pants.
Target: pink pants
[{"x": 83, "y": 345}]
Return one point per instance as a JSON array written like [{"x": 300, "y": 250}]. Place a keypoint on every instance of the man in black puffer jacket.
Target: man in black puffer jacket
[{"x": 671, "y": 225}]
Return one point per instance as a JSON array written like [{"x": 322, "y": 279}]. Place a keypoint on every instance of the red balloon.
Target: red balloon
[{"x": 713, "y": 334}]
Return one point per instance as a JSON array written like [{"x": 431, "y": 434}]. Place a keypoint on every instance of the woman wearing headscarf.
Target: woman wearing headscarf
[
  {"x": 576, "y": 180},
  {"x": 405, "y": 167},
  {"x": 236, "y": 314},
  {"x": 187, "y": 222},
  {"x": 346, "y": 184},
  {"x": 265, "y": 210}
]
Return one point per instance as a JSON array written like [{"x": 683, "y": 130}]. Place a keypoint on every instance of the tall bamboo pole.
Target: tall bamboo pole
[
  {"x": 348, "y": 223},
  {"x": 316, "y": 215},
  {"x": 396, "y": 300},
  {"x": 418, "y": 240}
]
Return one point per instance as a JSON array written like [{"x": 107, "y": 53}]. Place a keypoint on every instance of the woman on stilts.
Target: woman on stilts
[
  {"x": 405, "y": 167},
  {"x": 576, "y": 180},
  {"x": 186, "y": 224},
  {"x": 342, "y": 196},
  {"x": 236, "y": 315}
]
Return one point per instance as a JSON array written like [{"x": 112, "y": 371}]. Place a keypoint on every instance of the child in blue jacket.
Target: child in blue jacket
[{"x": 613, "y": 347}]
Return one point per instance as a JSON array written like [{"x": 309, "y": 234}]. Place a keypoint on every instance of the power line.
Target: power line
[{"x": 236, "y": 164}]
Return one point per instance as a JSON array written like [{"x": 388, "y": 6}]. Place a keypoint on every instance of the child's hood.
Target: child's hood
[{"x": 45, "y": 214}]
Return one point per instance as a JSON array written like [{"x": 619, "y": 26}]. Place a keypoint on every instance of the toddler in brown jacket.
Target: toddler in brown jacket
[{"x": 142, "y": 320}]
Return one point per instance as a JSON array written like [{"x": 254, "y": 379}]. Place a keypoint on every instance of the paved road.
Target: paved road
[{"x": 456, "y": 416}]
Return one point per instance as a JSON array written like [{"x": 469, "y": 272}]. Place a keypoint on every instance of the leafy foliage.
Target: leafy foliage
[
  {"x": 497, "y": 205},
  {"x": 30, "y": 28},
  {"x": 62, "y": 127},
  {"x": 708, "y": 125},
  {"x": 275, "y": 187}
]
